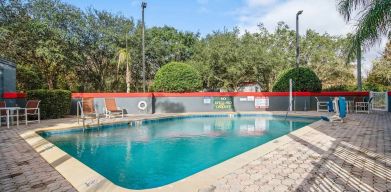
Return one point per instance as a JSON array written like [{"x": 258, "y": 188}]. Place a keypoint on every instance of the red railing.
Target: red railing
[{"x": 15, "y": 95}]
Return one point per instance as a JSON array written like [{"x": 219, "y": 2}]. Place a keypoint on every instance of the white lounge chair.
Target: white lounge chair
[{"x": 111, "y": 108}]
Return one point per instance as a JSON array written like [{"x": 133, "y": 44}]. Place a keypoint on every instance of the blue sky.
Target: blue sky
[
  {"x": 202, "y": 16},
  {"x": 205, "y": 16}
]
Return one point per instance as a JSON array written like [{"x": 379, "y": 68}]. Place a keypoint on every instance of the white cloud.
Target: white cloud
[
  {"x": 319, "y": 15},
  {"x": 257, "y": 3}
]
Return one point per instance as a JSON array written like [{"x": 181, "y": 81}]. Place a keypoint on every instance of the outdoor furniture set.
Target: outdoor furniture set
[
  {"x": 13, "y": 114},
  {"x": 86, "y": 109},
  {"x": 357, "y": 105}
]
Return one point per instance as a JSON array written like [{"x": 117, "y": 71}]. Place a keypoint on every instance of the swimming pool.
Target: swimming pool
[{"x": 158, "y": 152}]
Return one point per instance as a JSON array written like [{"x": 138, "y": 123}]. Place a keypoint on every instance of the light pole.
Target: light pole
[
  {"x": 297, "y": 38},
  {"x": 143, "y": 6}
]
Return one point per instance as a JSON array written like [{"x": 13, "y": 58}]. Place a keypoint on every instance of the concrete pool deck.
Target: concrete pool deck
[{"x": 353, "y": 156}]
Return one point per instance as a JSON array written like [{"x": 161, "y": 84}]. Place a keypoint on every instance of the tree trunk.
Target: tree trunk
[
  {"x": 128, "y": 78},
  {"x": 50, "y": 84},
  {"x": 359, "y": 81}
]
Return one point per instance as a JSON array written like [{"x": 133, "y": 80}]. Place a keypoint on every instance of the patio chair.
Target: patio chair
[
  {"x": 364, "y": 106},
  {"x": 86, "y": 110},
  {"x": 3, "y": 113},
  {"x": 321, "y": 104},
  {"x": 31, "y": 109},
  {"x": 111, "y": 108}
]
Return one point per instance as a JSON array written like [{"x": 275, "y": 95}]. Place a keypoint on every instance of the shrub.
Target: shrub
[
  {"x": 340, "y": 88},
  {"x": 370, "y": 86},
  {"x": 54, "y": 103},
  {"x": 304, "y": 79},
  {"x": 177, "y": 77}
]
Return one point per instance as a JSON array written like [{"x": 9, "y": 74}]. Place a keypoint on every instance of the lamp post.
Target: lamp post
[
  {"x": 297, "y": 38},
  {"x": 143, "y": 6}
]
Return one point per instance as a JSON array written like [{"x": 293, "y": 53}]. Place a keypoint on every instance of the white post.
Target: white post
[{"x": 290, "y": 95}]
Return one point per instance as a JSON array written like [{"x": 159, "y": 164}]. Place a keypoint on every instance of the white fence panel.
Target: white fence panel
[{"x": 379, "y": 101}]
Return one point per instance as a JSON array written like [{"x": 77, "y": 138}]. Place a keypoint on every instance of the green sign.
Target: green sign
[{"x": 222, "y": 102}]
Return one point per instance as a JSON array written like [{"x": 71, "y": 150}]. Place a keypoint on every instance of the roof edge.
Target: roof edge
[{"x": 6, "y": 62}]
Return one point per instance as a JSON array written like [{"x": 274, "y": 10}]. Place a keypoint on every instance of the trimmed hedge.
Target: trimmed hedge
[
  {"x": 304, "y": 79},
  {"x": 54, "y": 103},
  {"x": 177, "y": 77}
]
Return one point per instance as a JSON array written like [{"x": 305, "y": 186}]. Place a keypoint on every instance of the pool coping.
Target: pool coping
[{"x": 84, "y": 178}]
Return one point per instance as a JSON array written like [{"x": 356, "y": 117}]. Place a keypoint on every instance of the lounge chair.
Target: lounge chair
[
  {"x": 86, "y": 110},
  {"x": 364, "y": 106},
  {"x": 340, "y": 109},
  {"x": 31, "y": 109},
  {"x": 112, "y": 109},
  {"x": 321, "y": 104},
  {"x": 3, "y": 113}
]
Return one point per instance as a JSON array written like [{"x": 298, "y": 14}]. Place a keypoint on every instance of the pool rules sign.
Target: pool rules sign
[
  {"x": 261, "y": 102},
  {"x": 222, "y": 102}
]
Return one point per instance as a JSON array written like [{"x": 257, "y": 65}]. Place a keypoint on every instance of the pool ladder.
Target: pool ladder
[{"x": 287, "y": 111}]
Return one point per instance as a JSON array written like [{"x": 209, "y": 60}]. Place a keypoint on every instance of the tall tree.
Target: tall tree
[
  {"x": 380, "y": 74},
  {"x": 124, "y": 59},
  {"x": 373, "y": 23}
]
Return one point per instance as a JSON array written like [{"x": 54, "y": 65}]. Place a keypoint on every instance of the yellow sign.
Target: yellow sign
[{"x": 222, "y": 102}]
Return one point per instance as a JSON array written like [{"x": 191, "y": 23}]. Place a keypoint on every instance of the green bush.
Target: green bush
[
  {"x": 177, "y": 77},
  {"x": 340, "y": 88},
  {"x": 304, "y": 79},
  {"x": 370, "y": 86},
  {"x": 54, "y": 103}
]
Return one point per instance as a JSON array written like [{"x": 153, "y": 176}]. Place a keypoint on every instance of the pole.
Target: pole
[
  {"x": 127, "y": 64},
  {"x": 143, "y": 6},
  {"x": 290, "y": 94},
  {"x": 297, "y": 39}
]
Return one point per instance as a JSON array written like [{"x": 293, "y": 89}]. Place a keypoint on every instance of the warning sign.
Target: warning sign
[
  {"x": 222, "y": 102},
  {"x": 261, "y": 102}
]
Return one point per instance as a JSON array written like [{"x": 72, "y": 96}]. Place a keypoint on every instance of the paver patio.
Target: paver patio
[{"x": 353, "y": 156}]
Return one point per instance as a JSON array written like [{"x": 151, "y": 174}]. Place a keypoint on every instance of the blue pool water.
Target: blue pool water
[{"x": 160, "y": 152}]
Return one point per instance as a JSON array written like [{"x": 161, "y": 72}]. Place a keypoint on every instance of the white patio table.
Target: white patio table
[{"x": 11, "y": 113}]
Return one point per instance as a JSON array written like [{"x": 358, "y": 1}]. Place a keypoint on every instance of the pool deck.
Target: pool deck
[{"x": 350, "y": 156}]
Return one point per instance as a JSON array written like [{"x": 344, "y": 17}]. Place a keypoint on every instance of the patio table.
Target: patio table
[{"x": 11, "y": 112}]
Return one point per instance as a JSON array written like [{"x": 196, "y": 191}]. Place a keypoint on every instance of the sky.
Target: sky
[{"x": 206, "y": 16}]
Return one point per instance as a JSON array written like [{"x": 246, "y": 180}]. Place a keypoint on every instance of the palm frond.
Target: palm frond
[
  {"x": 374, "y": 20},
  {"x": 122, "y": 54},
  {"x": 347, "y": 7}
]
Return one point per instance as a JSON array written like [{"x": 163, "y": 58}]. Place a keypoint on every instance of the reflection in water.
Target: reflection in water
[{"x": 161, "y": 152}]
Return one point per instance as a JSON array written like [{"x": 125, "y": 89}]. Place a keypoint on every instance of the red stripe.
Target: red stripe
[
  {"x": 221, "y": 94},
  {"x": 13, "y": 95},
  {"x": 389, "y": 93},
  {"x": 106, "y": 95},
  {"x": 340, "y": 94},
  {"x": 218, "y": 94}
]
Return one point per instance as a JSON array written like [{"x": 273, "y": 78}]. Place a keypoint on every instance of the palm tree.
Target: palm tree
[
  {"x": 124, "y": 59},
  {"x": 373, "y": 23}
]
